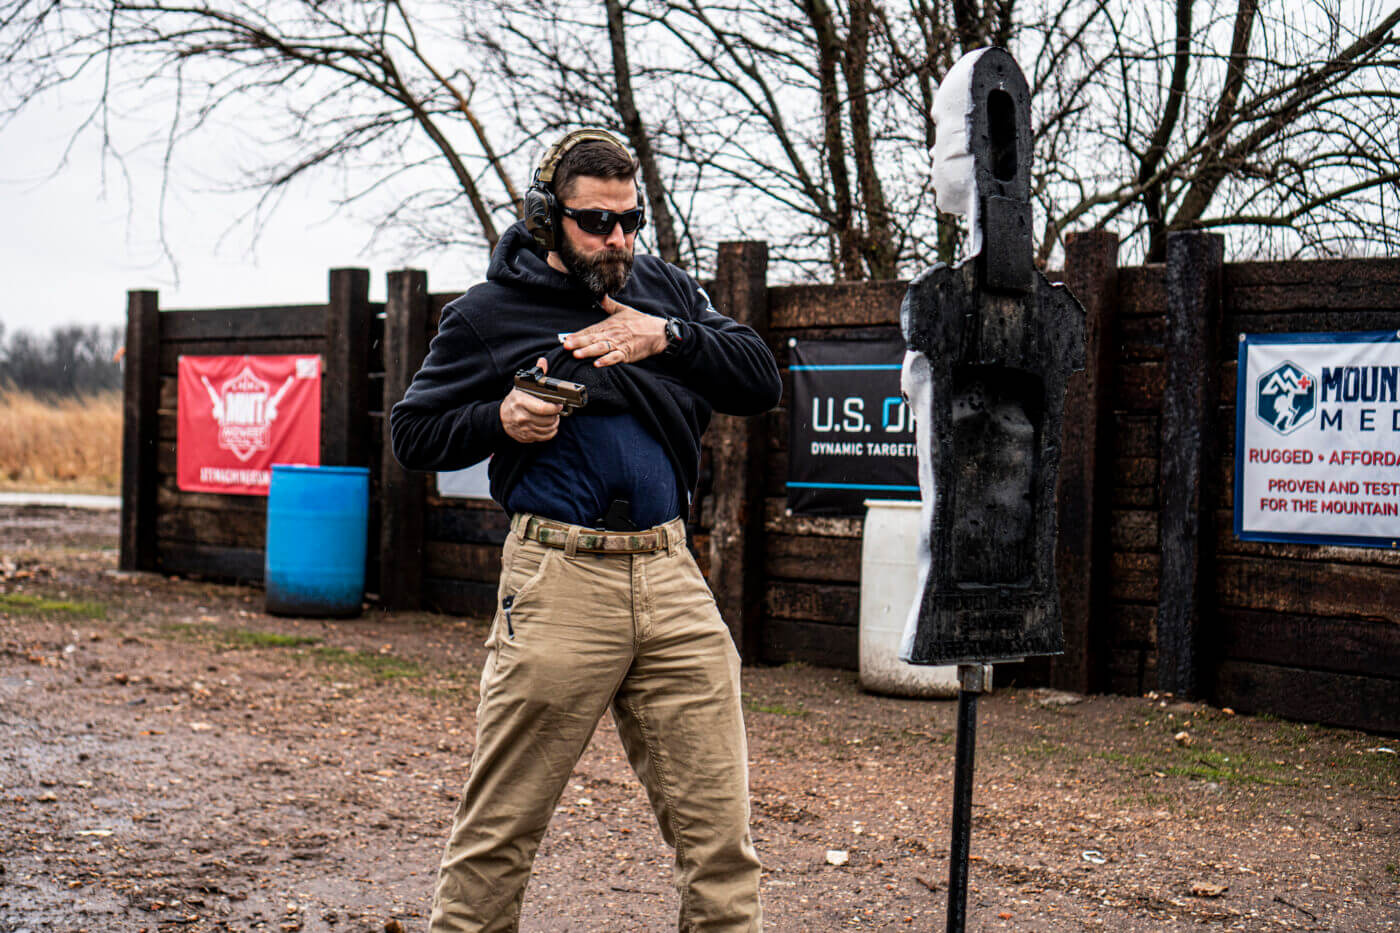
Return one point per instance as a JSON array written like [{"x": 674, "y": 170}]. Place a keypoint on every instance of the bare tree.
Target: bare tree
[
  {"x": 1275, "y": 119},
  {"x": 779, "y": 113},
  {"x": 666, "y": 244},
  {"x": 804, "y": 122},
  {"x": 564, "y": 65},
  {"x": 346, "y": 85}
]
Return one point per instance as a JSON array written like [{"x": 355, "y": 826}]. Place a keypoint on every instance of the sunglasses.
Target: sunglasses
[{"x": 601, "y": 223}]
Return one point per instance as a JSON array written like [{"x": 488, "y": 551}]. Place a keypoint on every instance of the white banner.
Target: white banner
[{"x": 1317, "y": 438}]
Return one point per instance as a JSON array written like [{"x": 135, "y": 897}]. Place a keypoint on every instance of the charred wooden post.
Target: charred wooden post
[
  {"x": 1085, "y": 486},
  {"x": 992, "y": 344},
  {"x": 1190, "y": 454},
  {"x": 739, "y": 453},
  {"x": 345, "y": 382},
  {"x": 403, "y": 494},
  {"x": 140, "y": 430}
]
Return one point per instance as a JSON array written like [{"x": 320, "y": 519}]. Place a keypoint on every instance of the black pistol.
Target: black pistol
[{"x": 571, "y": 395}]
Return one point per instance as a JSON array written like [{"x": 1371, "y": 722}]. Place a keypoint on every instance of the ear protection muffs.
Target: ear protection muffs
[{"x": 541, "y": 209}]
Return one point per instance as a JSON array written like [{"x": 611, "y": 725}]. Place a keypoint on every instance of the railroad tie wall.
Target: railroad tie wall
[
  {"x": 1128, "y": 654},
  {"x": 1302, "y": 631},
  {"x": 1158, "y": 593},
  {"x": 1305, "y": 631},
  {"x": 169, "y": 530},
  {"x": 811, "y": 603},
  {"x": 437, "y": 553}
]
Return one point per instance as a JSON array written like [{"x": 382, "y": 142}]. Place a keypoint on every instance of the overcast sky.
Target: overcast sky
[{"x": 72, "y": 245}]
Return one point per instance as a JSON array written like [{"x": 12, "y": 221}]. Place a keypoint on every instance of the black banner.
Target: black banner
[{"x": 851, "y": 433}]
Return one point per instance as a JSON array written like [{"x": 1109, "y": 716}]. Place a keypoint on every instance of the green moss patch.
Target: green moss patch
[
  {"x": 777, "y": 709},
  {"x": 23, "y": 603},
  {"x": 378, "y": 666},
  {"x": 250, "y": 638}
]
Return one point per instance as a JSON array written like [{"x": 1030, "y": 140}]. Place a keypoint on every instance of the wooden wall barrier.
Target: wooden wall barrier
[
  {"x": 1301, "y": 631},
  {"x": 811, "y": 606},
  {"x": 1157, "y": 593},
  {"x": 177, "y": 532},
  {"x": 409, "y": 322}
]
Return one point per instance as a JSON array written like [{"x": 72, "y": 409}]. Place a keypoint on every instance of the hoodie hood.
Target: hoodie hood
[{"x": 518, "y": 261}]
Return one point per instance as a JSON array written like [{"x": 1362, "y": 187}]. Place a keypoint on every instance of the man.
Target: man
[{"x": 591, "y": 619}]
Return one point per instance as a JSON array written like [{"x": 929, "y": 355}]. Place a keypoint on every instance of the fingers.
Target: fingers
[
  {"x": 598, "y": 343},
  {"x": 533, "y": 432},
  {"x": 530, "y": 431},
  {"x": 611, "y": 357},
  {"x": 527, "y": 419},
  {"x": 626, "y": 336},
  {"x": 537, "y": 406},
  {"x": 582, "y": 338},
  {"x": 543, "y": 364}
]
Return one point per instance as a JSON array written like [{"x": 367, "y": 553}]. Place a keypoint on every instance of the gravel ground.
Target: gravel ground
[{"x": 173, "y": 759}]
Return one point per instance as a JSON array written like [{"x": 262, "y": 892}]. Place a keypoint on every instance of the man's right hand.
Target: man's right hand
[{"x": 527, "y": 419}]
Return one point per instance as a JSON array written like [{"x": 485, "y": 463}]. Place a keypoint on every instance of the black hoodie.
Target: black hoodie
[{"x": 450, "y": 416}]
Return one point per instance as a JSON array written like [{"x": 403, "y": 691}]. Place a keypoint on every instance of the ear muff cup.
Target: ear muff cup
[
  {"x": 541, "y": 210},
  {"x": 539, "y": 215}
]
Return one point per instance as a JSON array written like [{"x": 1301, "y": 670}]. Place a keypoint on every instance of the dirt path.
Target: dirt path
[{"x": 173, "y": 759}]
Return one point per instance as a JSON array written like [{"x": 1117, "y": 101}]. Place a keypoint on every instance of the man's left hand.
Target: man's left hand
[{"x": 625, "y": 336}]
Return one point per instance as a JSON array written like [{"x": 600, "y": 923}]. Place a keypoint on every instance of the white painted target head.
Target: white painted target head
[
  {"x": 982, "y": 160},
  {"x": 954, "y": 171}
]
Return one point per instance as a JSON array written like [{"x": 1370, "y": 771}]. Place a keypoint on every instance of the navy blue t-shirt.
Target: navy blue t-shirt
[{"x": 593, "y": 460}]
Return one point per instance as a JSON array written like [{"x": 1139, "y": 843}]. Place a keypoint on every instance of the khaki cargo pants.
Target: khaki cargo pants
[{"x": 639, "y": 632}]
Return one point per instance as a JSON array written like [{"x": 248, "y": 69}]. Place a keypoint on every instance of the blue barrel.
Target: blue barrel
[{"x": 317, "y": 521}]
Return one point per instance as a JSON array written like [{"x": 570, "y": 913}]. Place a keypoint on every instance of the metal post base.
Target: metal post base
[{"x": 973, "y": 681}]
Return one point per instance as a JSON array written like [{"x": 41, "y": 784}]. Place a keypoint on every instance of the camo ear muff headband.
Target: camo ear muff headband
[{"x": 541, "y": 212}]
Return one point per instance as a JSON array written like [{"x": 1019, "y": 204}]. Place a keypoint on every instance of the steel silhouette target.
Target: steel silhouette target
[{"x": 990, "y": 346}]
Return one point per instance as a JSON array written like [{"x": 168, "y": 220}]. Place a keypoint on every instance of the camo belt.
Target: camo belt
[{"x": 553, "y": 534}]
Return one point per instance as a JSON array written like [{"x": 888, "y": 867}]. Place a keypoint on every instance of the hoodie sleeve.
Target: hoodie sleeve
[
  {"x": 725, "y": 362},
  {"x": 450, "y": 416}
]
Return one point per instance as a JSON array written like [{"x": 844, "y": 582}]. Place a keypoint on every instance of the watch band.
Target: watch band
[{"x": 675, "y": 336}]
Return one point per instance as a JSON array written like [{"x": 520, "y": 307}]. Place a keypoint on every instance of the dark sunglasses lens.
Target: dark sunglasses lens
[{"x": 601, "y": 223}]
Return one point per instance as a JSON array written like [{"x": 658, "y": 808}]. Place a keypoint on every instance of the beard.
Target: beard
[{"x": 602, "y": 273}]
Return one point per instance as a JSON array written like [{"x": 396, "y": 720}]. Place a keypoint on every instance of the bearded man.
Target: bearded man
[{"x": 600, "y": 604}]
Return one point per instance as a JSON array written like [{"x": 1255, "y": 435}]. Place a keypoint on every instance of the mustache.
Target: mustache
[{"x": 611, "y": 255}]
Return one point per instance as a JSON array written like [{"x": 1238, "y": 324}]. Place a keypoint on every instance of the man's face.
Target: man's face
[{"x": 601, "y": 262}]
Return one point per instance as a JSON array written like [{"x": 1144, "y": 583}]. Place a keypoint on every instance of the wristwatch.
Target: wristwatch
[{"x": 674, "y": 336}]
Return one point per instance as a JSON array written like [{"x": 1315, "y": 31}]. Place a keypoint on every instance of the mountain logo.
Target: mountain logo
[{"x": 1285, "y": 397}]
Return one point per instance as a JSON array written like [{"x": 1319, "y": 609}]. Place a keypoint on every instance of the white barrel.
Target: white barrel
[{"x": 889, "y": 582}]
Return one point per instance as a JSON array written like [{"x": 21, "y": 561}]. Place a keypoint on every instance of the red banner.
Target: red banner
[{"x": 239, "y": 415}]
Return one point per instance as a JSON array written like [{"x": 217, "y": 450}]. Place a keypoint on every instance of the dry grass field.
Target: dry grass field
[{"x": 66, "y": 445}]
